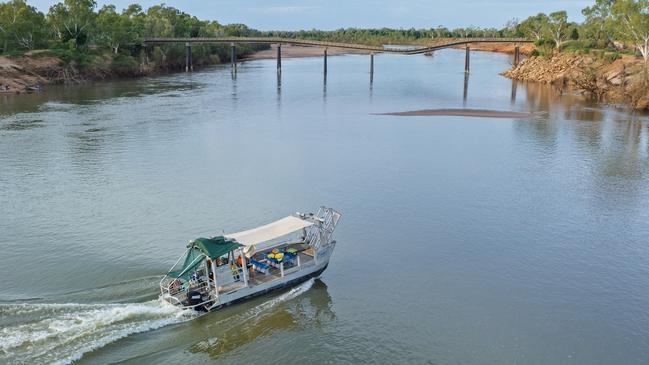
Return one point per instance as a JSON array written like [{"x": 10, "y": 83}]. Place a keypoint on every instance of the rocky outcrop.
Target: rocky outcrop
[{"x": 621, "y": 81}]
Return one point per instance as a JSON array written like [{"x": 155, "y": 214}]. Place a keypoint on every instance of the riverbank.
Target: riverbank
[
  {"x": 33, "y": 71},
  {"x": 475, "y": 113},
  {"x": 622, "y": 81},
  {"x": 22, "y": 74}
]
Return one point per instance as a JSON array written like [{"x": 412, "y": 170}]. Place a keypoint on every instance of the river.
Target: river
[{"x": 463, "y": 240}]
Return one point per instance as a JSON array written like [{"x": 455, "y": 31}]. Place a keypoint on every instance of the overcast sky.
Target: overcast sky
[{"x": 332, "y": 14}]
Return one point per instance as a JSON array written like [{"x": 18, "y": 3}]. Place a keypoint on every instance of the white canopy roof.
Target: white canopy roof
[{"x": 270, "y": 231}]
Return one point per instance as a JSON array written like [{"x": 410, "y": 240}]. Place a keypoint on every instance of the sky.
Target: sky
[{"x": 333, "y": 14}]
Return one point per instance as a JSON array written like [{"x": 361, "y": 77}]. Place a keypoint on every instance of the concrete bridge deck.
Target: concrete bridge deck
[{"x": 443, "y": 43}]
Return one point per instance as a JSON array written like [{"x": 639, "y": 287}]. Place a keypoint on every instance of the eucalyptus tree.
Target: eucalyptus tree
[
  {"x": 598, "y": 21},
  {"x": 113, "y": 28},
  {"x": 73, "y": 20},
  {"x": 21, "y": 26},
  {"x": 534, "y": 26},
  {"x": 632, "y": 24},
  {"x": 558, "y": 27}
]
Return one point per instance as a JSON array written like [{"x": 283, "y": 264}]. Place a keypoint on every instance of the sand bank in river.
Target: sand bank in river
[
  {"x": 291, "y": 51},
  {"x": 481, "y": 113}
]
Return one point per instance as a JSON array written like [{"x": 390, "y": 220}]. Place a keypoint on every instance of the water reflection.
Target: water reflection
[
  {"x": 466, "y": 87},
  {"x": 311, "y": 308},
  {"x": 541, "y": 97},
  {"x": 91, "y": 93},
  {"x": 514, "y": 88}
]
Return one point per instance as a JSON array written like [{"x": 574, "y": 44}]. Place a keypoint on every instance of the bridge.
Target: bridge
[{"x": 440, "y": 43}]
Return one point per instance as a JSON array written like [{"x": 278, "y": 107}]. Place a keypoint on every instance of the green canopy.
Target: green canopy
[
  {"x": 201, "y": 248},
  {"x": 215, "y": 246},
  {"x": 194, "y": 258}
]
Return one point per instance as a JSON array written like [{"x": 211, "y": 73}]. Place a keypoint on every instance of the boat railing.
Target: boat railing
[
  {"x": 320, "y": 233},
  {"x": 179, "y": 293}
]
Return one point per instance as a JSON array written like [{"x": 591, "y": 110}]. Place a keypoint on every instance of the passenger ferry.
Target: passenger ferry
[{"x": 218, "y": 271}]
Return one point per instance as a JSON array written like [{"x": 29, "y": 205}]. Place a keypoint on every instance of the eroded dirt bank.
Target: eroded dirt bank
[
  {"x": 20, "y": 74},
  {"x": 623, "y": 81}
]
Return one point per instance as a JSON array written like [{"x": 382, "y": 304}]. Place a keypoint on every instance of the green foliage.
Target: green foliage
[
  {"x": 71, "y": 55},
  {"x": 534, "y": 27},
  {"x": 124, "y": 64},
  {"x": 84, "y": 36},
  {"x": 22, "y": 27},
  {"x": 631, "y": 19},
  {"x": 73, "y": 20},
  {"x": 598, "y": 24}
]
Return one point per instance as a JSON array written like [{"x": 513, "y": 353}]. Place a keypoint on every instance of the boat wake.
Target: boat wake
[
  {"x": 36, "y": 333},
  {"x": 61, "y": 333}
]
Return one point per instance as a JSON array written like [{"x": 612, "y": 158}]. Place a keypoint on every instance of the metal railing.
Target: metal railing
[{"x": 320, "y": 233}]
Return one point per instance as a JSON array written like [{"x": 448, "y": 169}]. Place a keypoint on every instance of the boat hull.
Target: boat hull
[{"x": 288, "y": 284}]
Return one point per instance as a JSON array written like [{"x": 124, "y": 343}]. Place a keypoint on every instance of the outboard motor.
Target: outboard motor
[{"x": 193, "y": 298}]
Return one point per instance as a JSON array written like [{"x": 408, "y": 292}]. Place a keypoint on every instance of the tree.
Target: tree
[
  {"x": 598, "y": 20},
  {"x": 115, "y": 29},
  {"x": 21, "y": 25},
  {"x": 72, "y": 20},
  {"x": 557, "y": 27},
  {"x": 534, "y": 26},
  {"x": 632, "y": 18},
  {"x": 511, "y": 28}
]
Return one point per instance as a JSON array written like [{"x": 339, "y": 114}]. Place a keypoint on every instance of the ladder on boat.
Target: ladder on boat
[{"x": 320, "y": 233}]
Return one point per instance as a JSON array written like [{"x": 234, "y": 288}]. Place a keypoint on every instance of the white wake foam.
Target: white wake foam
[{"x": 62, "y": 333}]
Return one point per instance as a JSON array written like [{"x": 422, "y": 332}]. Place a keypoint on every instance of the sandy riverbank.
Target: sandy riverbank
[
  {"x": 479, "y": 113},
  {"x": 291, "y": 51}
]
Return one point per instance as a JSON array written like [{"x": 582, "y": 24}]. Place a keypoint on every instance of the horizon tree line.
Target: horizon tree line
[{"x": 79, "y": 26}]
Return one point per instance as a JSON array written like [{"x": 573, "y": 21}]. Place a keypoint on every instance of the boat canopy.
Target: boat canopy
[
  {"x": 199, "y": 249},
  {"x": 268, "y": 232},
  {"x": 214, "y": 247}
]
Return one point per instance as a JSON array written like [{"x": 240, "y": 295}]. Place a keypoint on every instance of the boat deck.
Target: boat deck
[{"x": 257, "y": 278}]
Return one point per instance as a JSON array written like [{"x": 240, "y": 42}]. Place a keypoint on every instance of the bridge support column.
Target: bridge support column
[
  {"x": 325, "y": 62},
  {"x": 189, "y": 66},
  {"x": 279, "y": 58},
  {"x": 371, "y": 67},
  {"x": 467, "y": 59},
  {"x": 517, "y": 55},
  {"x": 233, "y": 57}
]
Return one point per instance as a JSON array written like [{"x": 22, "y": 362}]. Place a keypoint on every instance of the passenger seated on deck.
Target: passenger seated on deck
[
  {"x": 174, "y": 286},
  {"x": 220, "y": 261}
]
